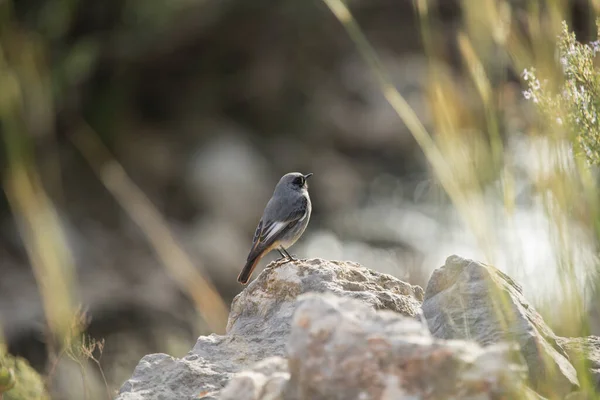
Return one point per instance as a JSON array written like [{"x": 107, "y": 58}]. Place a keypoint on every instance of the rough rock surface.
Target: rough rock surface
[
  {"x": 466, "y": 299},
  {"x": 584, "y": 352},
  {"x": 266, "y": 380},
  {"x": 259, "y": 326},
  {"x": 340, "y": 348}
]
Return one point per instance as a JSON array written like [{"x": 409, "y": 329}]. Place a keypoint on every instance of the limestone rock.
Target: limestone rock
[
  {"x": 266, "y": 381},
  {"x": 273, "y": 293},
  {"x": 341, "y": 348},
  {"x": 466, "y": 299},
  {"x": 259, "y": 326}
]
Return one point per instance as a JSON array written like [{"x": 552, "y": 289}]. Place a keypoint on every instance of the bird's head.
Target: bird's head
[{"x": 295, "y": 181}]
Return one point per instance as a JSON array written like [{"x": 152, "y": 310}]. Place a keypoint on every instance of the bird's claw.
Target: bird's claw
[
  {"x": 292, "y": 257},
  {"x": 285, "y": 259}
]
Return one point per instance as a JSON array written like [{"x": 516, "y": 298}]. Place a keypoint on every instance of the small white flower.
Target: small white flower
[
  {"x": 535, "y": 85},
  {"x": 559, "y": 121},
  {"x": 526, "y": 74},
  {"x": 527, "y": 94},
  {"x": 563, "y": 61}
]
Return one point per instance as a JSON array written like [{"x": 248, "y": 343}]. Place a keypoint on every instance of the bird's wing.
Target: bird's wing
[{"x": 275, "y": 222}]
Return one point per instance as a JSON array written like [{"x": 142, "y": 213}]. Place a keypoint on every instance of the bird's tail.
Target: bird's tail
[{"x": 244, "y": 276}]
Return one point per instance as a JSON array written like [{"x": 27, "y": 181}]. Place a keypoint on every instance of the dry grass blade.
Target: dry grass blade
[
  {"x": 34, "y": 213},
  {"x": 45, "y": 245},
  {"x": 142, "y": 211},
  {"x": 441, "y": 168}
]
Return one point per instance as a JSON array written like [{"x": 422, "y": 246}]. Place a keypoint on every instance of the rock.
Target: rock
[
  {"x": 160, "y": 376},
  {"x": 273, "y": 293},
  {"x": 466, "y": 299},
  {"x": 266, "y": 380},
  {"x": 585, "y": 355},
  {"x": 259, "y": 326},
  {"x": 341, "y": 348}
]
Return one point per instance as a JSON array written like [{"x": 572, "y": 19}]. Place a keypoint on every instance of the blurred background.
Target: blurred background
[{"x": 142, "y": 139}]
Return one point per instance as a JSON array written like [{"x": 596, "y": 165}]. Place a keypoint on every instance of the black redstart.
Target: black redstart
[{"x": 284, "y": 220}]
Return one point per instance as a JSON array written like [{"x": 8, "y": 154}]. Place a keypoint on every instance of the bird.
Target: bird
[{"x": 284, "y": 220}]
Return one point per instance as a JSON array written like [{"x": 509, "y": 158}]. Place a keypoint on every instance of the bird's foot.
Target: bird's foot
[
  {"x": 284, "y": 258},
  {"x": 286, "y": 255},
  {"x": 279, "y": 261}
]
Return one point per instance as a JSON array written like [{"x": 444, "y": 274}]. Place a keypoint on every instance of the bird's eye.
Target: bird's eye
[{"x": 299, "y": 181}]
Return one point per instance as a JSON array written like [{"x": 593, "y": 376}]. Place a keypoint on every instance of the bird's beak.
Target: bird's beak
[{"x": 308, "y": 175}]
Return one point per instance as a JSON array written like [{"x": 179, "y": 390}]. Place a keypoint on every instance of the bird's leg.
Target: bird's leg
[
  {"x": 285, "y": 257},
  {"x": 290, "y": 257},
  {"x": 282, "y": 255}
]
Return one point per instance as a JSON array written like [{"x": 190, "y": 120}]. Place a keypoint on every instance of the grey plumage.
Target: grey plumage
[{"x": 283, "y": 221}]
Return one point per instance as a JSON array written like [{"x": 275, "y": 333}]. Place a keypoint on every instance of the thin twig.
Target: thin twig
[{"x": 97, "y": 361}]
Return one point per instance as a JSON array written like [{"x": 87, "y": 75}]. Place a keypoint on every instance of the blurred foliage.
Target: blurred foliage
[
  {"x": 41, "y": 70},
  {"x": 566, "y": 95},
  {"x": 574, "y": 105},
  {"x": 18, "y": 381},
  {"x": 499, "y": 39}
]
